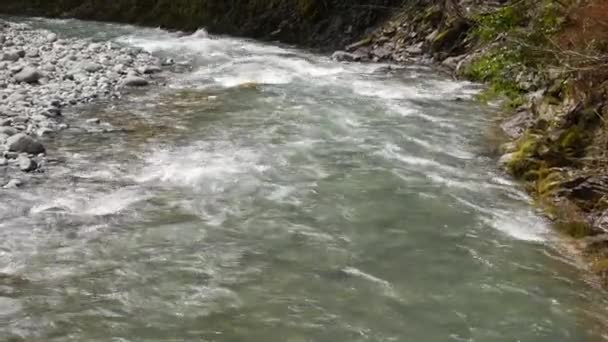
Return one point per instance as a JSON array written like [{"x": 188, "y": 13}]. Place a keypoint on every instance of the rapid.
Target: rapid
[{"x": 266, "y": 193}]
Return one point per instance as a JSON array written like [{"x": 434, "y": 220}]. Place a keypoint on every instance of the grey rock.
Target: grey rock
[
  {"x": 9, "y": 56},
  {"x": 13, "y": 183},
  {"x": 135, "y": 81},
  {"x": 94, "y": 121},
  {"x": 168, "y": 62},
  {"x": 26, "y": 164},
  {"x": 343, "y": 56},
  {"x": 10, "y": 155},
  {"x": 150, "y": 70},
  {"x": 51, "y": 37},
  {"x": 382, "y": 52},
  {"x": 415, "y": 49},
  {"x": 32, "y": 53},
  {"x": 28, "y": 75},
  {"x": 45, "y": 131},
  {"x": 52, "y": 112},
  {"x": 9, "y": 131},
  {"x": 517, "y": 124},
  {"x": 24, "y": 143},
  {"x": 90, "y": 67},
  {"x": 15, "y": 68},
  {"x": 3, "y": 162}
]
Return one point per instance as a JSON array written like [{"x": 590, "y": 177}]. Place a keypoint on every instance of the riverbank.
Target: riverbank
[
  {"x": 545, "y": 62},
  {"x": 41, "y": 75}
]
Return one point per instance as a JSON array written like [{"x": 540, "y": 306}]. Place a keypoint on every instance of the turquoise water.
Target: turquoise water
[{"x": 270, "y": 194}]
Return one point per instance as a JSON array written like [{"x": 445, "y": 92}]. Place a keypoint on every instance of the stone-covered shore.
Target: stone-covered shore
[{"x": 41, "y": 74}]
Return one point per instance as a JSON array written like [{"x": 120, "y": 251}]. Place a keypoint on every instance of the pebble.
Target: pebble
[
  {"x": 28, "y": 75},
  {"x": 23, "y": 143},
  {"x": 41, "y": 74},
  {"x": 135, "y": 81},
  {"x": 13, "y": 183},
  {"x": 26, "y": 164}
]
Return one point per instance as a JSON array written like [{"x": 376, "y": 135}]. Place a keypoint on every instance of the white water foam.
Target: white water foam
[{"x": 98, "y": 204}]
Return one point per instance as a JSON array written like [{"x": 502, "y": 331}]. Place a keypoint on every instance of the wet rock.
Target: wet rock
[
  {"x": 453, "y": 62},
  {"x": 8, "y": 131},
  {"x": 9, "y": 56},
  {"x": 135, "y": 81},
  {"x": 168, "y": 62},
  {"x": 415, "y": 49},
  {"x": 90, "y": 67},
  {"x": 13, "y": 183},
  {"x": 382, "y": 53},
  {"x": 343, "y": 56},
  {"x": 32, "y": 53},
  {"x": 28, "y": 75},
  {"x": 23, "y": 143},
  {"x": 10, "y": 155},
  {"x": 585, "y": 188},
  {"x": 148, "y": 70},
  {"x": 515, "y": 126},
  {"x": 52, "y": 112},
  {"x": 45, "y": 131},
  {"x": 51, "y": 38},
  {"x": 26, "y": 164}
]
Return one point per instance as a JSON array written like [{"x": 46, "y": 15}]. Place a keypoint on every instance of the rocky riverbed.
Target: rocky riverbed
[{"x": 41, "y": 74}]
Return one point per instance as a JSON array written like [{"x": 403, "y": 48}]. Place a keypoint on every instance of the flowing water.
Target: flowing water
[{"x": 270, "y": 194}]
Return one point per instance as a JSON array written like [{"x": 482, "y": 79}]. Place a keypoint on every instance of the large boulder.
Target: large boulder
[
  {"x": 23, "y": 143},
  {"x": 28, "y": 75}
]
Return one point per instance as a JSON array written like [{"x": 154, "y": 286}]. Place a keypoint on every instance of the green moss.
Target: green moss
[
  {"x": 491, "y": 25},
  {"x": 600, "y": 266},
  {"x": 499, "y": 68},
  {"x": 577, "y": 229},
  {"x": 548, "y": 181},
  {"x": 524, "y": 163},
  {"x": 308, "y": 8}
]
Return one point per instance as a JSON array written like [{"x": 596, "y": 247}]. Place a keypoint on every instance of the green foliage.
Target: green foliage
[
  {"x": 577, "y": 229},
  {"x": 524, "y": 163},
  {"x": 499, "y": 68},
  {"x": 491, "y": 25}
]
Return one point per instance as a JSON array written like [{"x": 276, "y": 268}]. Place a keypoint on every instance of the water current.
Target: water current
[{"x": 267, "y": 193}]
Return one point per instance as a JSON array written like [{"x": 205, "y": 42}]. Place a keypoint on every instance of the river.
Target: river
[{"x": 270, "y": 194}]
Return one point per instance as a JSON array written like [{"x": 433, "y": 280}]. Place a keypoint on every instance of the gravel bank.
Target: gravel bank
[{"x": 41, "y": 74}]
